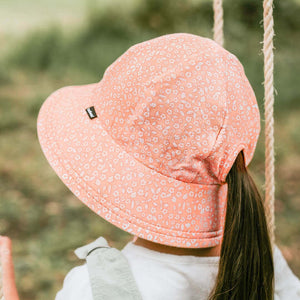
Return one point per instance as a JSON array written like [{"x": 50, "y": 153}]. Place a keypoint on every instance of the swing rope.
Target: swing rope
[
  {"x": 218, "y": 22},
  {"x": 269, "y": 119},
  {"x": 268, "y": 101}
]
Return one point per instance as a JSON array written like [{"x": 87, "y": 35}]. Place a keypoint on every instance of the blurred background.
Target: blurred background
[{"x": 48, "y": 44}]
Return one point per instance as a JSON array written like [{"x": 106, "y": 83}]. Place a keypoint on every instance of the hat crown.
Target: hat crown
[{"x": 182, "y": 105}]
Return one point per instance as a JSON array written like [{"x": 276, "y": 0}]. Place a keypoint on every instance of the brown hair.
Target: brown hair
[{"x": 246, "y": 268}]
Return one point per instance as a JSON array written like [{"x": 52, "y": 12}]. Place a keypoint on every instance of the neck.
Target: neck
[{"x": 211, "y": 251}]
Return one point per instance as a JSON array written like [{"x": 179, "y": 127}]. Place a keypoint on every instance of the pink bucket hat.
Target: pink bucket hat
[{"x": 148, "y": 147}]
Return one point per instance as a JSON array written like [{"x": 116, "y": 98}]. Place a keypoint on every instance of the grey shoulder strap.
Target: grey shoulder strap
[{"x": 110, "y": 274}]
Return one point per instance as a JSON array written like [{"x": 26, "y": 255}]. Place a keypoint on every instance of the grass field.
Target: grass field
[{"x": 45, "y": 221}]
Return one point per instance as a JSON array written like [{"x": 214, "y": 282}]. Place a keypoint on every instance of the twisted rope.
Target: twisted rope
[
  {"x": 218, "y": 22},
  {"x": 269, "y": 120}
]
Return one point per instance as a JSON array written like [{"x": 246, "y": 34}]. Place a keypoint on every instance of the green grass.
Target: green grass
[{"x": 45, "y": 221}]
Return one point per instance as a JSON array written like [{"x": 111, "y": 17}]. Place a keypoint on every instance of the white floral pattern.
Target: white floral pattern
[{"x": 173, "y": 113}]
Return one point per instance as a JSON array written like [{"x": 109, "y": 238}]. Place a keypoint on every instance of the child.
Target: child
[{"x": 160, "y": 148}]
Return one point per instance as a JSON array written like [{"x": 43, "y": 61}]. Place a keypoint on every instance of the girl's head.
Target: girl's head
[{"x": 150, "y": 147}]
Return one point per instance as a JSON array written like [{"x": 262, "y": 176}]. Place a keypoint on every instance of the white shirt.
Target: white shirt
[{"x": 174, "y": 277}]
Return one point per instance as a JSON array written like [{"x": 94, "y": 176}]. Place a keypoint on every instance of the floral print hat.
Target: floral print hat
[{"x": 148, "y": 147}]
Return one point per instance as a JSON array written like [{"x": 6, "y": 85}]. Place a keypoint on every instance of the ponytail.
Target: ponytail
[{"x": 246, "y": 268}]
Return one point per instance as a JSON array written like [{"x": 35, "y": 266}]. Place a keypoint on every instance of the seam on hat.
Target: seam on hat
[
  {"x": 226, "y": 110},
  {"x": 242, "y": 146}
]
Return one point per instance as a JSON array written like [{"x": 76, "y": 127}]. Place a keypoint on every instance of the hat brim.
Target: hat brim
[{"x": 119, "y": 188}]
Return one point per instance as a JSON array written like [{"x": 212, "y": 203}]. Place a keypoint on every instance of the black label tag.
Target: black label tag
[{"x": 91, "y": 112}]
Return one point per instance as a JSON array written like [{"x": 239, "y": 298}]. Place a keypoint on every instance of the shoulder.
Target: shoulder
[
  {"x": 287, "y": 285},
  {"x": 76, "y": 285}
]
